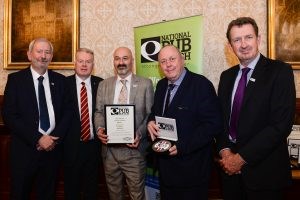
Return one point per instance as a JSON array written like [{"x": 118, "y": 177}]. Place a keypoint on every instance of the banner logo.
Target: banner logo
[
  {"x": 119, "y": 111},
  {"x": 149, "y": 49}
]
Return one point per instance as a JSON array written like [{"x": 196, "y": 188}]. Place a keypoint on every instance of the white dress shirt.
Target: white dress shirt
[{"x": 46, "y": 84}]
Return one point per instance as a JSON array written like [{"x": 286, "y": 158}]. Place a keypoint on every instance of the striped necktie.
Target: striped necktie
[{"x": 85, "y": 117}]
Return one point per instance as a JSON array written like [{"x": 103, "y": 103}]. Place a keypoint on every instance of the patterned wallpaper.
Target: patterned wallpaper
[{"x": 107, "y": 24}]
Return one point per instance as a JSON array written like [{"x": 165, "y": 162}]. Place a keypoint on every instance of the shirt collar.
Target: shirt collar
[
  {"x": 127, "y": 78},
  {"x": 252, "y": 64},
  {"x": 80, "y": 80},
  {"x": 36, "y": 75},
  {"x": 179, "y": 80}
]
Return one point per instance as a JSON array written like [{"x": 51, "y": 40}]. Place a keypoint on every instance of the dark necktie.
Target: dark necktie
[
  {"x": 85, "y": 117},
  {"x": 170, "y": 88},
  {"x": 44, "y": 116},
  {"x": 237, "y": 103}
]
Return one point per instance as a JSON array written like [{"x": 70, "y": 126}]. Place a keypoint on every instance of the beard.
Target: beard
[{"x": 122, "y": 69}]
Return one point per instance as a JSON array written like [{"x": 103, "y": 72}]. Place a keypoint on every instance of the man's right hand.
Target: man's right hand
[
  {"x": 153, "y": 130},
  {"x": 102, "y": 136},
  {"x": 47, "y": 143}
]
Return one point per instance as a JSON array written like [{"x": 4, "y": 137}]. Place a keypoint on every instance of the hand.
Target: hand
[
  {"x": 136, "y": 141},
  {"x": 173, "y": 150},
  {"x": 47, "y": 143},
  {"x": 225, "y": 152},
  {"x": 102, "y": 136},
  {"x": 232, "y": 163},
  {"x": 153, "y": 130}
]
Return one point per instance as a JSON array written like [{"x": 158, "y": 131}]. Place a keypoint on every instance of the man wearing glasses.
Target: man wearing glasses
[{"x": 184, "y": 171}]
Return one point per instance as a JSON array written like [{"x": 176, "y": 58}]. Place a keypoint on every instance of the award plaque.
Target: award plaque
[
  {"x": 120, "y": 123},
  {"x": 167, "y": 134}
]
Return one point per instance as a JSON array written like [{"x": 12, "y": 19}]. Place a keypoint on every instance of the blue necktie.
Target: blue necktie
[
  {"x": 44, "y": 116},
  {"x": 170, "y": 88},
  {"x": 237, "y": 103}
]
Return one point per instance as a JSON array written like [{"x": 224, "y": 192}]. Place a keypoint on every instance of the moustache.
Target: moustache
[
  {"x": 44, "y": 60},
  {"x": 121, "y": 66}
]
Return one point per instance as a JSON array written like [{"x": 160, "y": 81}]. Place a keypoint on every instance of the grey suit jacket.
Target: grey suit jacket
[{"x": 141, "y": 95}]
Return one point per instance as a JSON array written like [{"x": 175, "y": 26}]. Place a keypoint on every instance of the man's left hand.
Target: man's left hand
[{"x": 232, "y": 164}]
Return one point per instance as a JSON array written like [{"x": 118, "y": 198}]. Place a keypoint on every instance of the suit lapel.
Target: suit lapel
[
  {"x": 230, "y": 85},
  {"x": 74, "y": 95},
  {"x": 31, "y": 89},
  {"x": 256, "y": 76},
  {"x": 133, "y": 89},
  {"x": 112, "y": 87},
  {"x": 53, "y": 84},
  {"x": 94, "y": 86}
]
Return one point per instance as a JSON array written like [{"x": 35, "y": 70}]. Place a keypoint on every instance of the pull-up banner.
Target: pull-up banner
[{"x": 185, "y": 33}]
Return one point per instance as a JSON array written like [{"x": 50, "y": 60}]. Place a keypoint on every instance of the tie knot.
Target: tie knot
[
  {"x": 41, "y": 78},
  {"x": 83, "y": 83},
  {"x": 245, "y": 71},
  {"x": 171, "y": 86},
  {"x": 123, "y": 81}
]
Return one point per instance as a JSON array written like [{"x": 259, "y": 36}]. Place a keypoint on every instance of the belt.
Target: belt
[
  {"x": 117, "y": 145},
  {"x": 87, "y": 142}
]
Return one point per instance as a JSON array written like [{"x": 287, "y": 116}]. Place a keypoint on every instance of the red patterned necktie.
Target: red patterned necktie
[
  {"x": 85, "y": 117},
  {"x": 237, "y": 103}
]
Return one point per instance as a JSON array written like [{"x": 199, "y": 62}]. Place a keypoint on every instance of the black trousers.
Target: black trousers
[
  {"x": 39, "y": 174},
  {"x": 234, "y": 189},
  {"x": 190, "y": 193},
  {"x": 82, "y": 177}
]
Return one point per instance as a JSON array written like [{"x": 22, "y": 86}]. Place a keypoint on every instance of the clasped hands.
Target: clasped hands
[
  {"x": 231, "y": 162},
  {"x": 46, "y": 143},
  {"x": 104, "y": 138},
  {"x": 154, "y": 133}
]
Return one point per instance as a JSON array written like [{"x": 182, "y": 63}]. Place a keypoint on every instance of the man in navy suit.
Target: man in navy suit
[
  {"x": 185, "y": 171},
  {"x": 35, "y": 148},
  {"x": 255, "y": 158},
  {"x": 82, "y": 156}
]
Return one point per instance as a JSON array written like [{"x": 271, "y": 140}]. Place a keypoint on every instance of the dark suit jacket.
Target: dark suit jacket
[
  {"x": 72, "y": 140},
  {"x": 21, "y": 115},
  {"x": 265, "y": 121},
  {"x": 198, "y": 119}
]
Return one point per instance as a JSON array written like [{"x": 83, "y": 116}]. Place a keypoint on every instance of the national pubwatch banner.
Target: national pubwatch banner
[{"x": 187, "y": 35}]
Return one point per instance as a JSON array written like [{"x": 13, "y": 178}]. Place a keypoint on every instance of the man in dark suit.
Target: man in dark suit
[
  {"x": 82, "y": 155},
  {"x": 185, "y": 171},
  {"x": 253, "y": 148},
  {"x": 37, "y": 113},
  {"x": 125, "y": 161}
]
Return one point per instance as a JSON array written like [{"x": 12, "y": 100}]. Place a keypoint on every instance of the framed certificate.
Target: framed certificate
[{"x": 120, "y": 123}]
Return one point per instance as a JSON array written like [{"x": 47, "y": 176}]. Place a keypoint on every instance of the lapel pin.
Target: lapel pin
[
  {"x": 252, "y": 79},
  {"x": 52, "y": 83}
]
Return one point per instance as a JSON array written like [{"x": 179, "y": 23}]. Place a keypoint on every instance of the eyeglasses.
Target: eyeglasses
[
  {"x": 164, "y": 61},
  {"x": 86, "y": 62}
]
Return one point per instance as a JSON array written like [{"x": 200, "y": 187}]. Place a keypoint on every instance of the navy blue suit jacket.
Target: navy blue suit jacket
[
  {"x": 265, "y": 121},
  {"x": 21, "y": 115},
  {"x": 71, "y": 143},
  {"x": 198, "y": 119}
]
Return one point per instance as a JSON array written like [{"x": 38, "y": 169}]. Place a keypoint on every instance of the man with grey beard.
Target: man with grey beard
[{"x": 124, "y": 160}]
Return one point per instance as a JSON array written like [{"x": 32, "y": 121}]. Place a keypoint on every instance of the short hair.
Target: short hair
[
  {"x": 240, "y": 22},
  {"x": 86, "y": 50},
  {"x": 32, "y": 43},
  {"x": 170, "y": 45}
]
